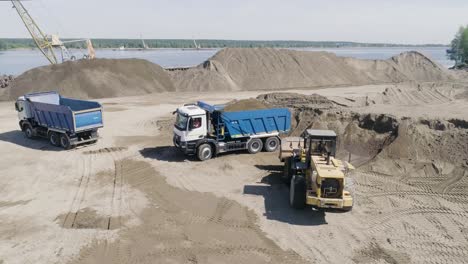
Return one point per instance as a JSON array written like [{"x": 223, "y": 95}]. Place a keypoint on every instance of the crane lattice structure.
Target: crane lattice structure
[
  {"x": 45, "y": 43},
  {"x": 39, "y": 37}
]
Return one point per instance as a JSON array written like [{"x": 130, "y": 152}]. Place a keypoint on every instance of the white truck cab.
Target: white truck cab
[
  {"x": 23, "y": 111},
  {"x": 191, "y": 124}
]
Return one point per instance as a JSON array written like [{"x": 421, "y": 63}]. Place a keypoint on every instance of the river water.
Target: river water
[{"x": 18, "y": 61}]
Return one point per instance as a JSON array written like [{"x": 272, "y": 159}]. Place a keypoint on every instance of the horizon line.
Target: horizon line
[{"x": 250, "y": 40}]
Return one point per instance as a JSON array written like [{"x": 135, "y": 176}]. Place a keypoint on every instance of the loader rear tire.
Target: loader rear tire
[{"x": 297, "y": 192}]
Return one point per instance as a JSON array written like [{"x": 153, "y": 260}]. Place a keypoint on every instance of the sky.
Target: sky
[{"x": 371, "y": 21}]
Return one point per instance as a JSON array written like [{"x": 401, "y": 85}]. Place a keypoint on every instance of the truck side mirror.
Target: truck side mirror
[{"x": 18, "y": 108}]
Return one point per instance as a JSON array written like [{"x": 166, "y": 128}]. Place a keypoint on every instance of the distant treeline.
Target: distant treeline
[
  {"x": 459, "y": 47},
  {"x": 203, "y": 43}
]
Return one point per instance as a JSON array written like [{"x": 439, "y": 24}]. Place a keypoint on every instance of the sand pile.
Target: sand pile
[
  {"x": 388, "y": 144},
  {"x": 246, "y": 104},
  {"x": 295, "y": 100},
  {"x": 364, "y": 135},
  {"x": 93, "y": 79},
  {"x": 265, "y": 68},
  {"x": 416, "y": 66},
  {"x": 432, "y": 146},
  {"x": 413, "y": 95},
  {"x": 230, "y": 69}
]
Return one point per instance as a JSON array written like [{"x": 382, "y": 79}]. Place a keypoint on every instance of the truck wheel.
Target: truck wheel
[
  {"x": 54, "y": 139},
  {"x": 205, "y": 152},
  {"x": 65, "y": 141},
  {"x": 297, "y": 192},
  {"x": 255, "y": 145},
  {"x": 28, "y": 131},
  {"x": 271, "y": 144}
]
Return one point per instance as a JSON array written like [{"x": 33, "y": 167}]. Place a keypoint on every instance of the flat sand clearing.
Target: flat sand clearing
[{"x": 132, "y": 198}]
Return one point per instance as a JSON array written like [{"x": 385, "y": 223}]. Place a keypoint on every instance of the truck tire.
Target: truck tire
[
  {"x": 54, "y": 139},
  {"x": 65, "y": 141},
  {"x": 271, "y": 144},
  {"x": 205, "y": 152},
  {"x": 28, "y": 131},
  {"x": 255, "y": 145},
  {"x": 297, "y": 192}
]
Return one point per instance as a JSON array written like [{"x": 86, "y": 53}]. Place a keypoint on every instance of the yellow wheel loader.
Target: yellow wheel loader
[{"x": 314, "y": 175}]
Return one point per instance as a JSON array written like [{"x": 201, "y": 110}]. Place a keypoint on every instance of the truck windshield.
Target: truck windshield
[{"x": 181, "y": 121}]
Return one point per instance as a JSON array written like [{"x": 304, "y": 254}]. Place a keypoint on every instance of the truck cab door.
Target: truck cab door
[
  {"x": 21, "y": 109},
  {"x": 197, "y": 128}
]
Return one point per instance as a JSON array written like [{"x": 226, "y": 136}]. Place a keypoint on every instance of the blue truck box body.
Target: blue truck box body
[
  {"x": 256, "y": 122},
  {"x": 70, "y": 115},
  {"x": 248, "y": 123}
]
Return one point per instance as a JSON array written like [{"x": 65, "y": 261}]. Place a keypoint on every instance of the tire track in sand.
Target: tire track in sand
[{"x": 71, "y": 216}]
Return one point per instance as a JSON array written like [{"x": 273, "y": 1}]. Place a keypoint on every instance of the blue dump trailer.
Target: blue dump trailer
[
  {"x": 206, "y": 130},
  {"x": 65, "y": 122}
]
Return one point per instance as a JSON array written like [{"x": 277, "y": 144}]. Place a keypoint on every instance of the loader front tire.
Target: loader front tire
[
  {"x": 297, "y": 192},
  {"x": 287, "y": 171}
]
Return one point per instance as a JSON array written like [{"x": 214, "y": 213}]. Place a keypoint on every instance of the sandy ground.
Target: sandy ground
[{"x": 131, "y": 198}]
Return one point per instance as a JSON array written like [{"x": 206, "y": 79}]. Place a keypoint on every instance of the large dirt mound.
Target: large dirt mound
[
  {"x": 388, "y": 144},
  {"x": 97, "y": 78},
  {"x": 265, "y": 68}
]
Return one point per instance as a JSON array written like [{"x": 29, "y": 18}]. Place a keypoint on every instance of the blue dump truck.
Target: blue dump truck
[
  {"x": 65, "y": 122},
  {"x": 206, "y": 130}
]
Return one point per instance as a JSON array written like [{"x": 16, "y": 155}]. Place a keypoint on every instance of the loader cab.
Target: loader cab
[
  {"x": 320, "y": 142},
  {"x": 191, "y": 123}
]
